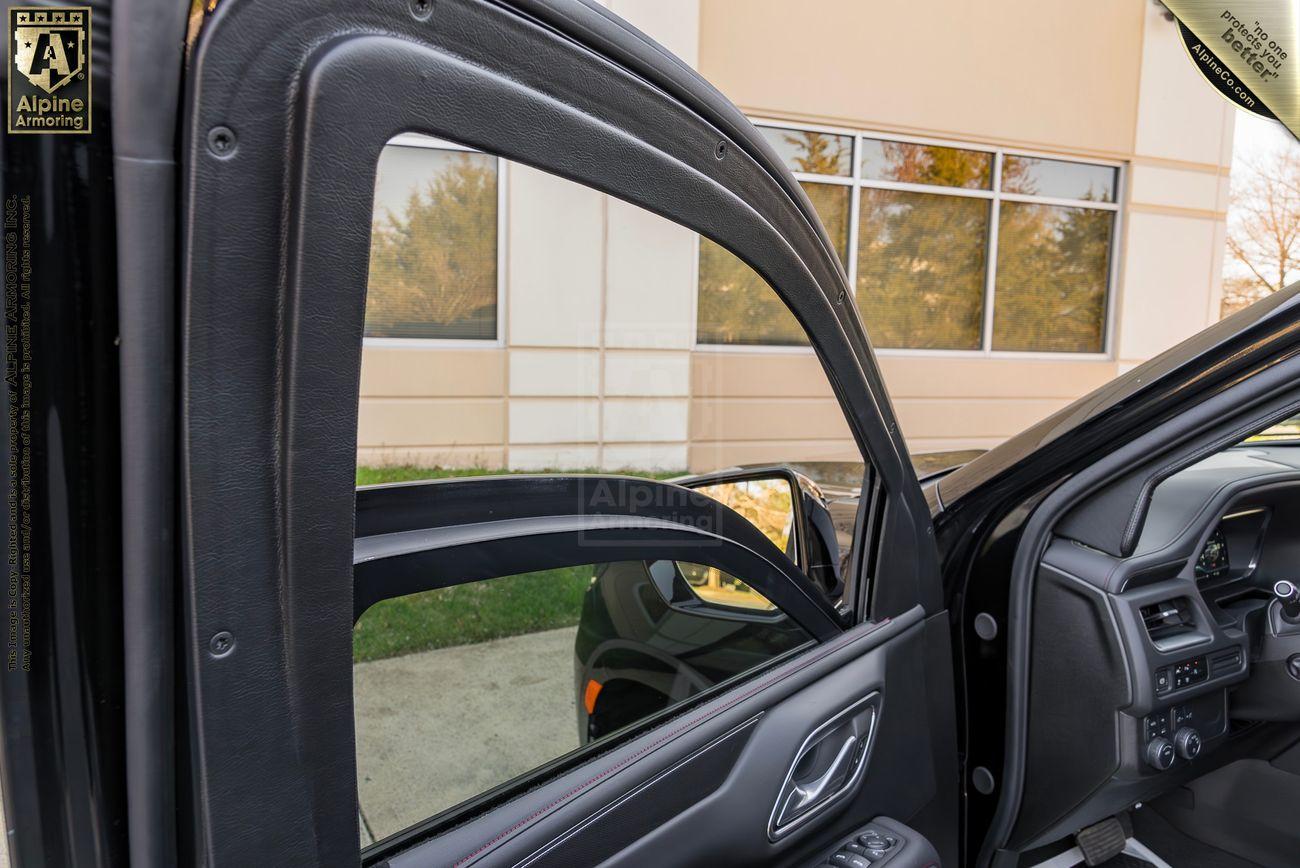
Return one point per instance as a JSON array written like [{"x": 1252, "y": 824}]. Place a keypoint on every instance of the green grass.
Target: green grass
[{"x": 474, "y": 612}]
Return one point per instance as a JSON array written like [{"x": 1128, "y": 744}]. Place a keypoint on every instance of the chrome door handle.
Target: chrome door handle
[
  {"x": 808, "y": 793},
  {"x": 827, "y": 766}
]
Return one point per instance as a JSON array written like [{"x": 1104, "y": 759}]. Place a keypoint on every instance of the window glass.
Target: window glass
[
  {"x": 1058, "y": 179},
  {"x": 769, "y": 504},
  {"x": 921, "y": 260},
  {"x": 574, "y": 655},
  {"x": 1287, "y": 429},
  {"x": 737, "y": 306},
  {"x": 1053, "y": 270},
  {"x": 812, "y": 152},
  {"x": 921, "y": 268},
  {"x": 433, "y": 257},
  {"x": 926, "y": 164},
  {"x": 597, "y": 367},
  {"x": 831, "y": 202}
]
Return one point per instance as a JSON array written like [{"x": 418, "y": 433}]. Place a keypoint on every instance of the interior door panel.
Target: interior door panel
[
  {"x": 737, "y": 749},
  {"x": 274, "y": 266}
]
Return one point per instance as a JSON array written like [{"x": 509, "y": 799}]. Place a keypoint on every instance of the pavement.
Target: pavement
[{"x": 438, "y": 727}]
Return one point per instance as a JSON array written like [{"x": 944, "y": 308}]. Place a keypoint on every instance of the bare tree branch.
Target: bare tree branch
[{"x": 1263, "y": 229}]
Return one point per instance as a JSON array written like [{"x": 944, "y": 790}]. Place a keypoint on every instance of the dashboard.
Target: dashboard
[{"x": 1165, "y": 661}]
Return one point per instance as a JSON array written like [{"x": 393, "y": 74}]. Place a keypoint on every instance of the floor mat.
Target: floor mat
[{"x": 1178, "y": 849}]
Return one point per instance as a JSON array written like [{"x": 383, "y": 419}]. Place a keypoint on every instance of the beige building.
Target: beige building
[{"x": 1028, "y": 196}]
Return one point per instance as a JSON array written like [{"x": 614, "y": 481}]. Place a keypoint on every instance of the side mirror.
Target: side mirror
[
  {"x": 790, "y": 511},
  {"x": 698, "y": 590}
]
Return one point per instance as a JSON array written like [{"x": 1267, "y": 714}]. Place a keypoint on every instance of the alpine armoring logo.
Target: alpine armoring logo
[{"x": 49, "y": 69}]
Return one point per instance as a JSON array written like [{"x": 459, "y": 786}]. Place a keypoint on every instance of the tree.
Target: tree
[
  {"x": 736, "y": 305},
  {"x": 922, "y": 256},
  {"x": 1263, "y": 230},
  {"x": 433, "y": 267}
]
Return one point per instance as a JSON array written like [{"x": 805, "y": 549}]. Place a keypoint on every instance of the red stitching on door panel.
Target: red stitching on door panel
[{"x": 667, "y": 737}]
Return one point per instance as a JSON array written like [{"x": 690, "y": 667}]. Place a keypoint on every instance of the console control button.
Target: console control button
[
  {"x": 1189, "y": 672},
  {"x": 1163, "y": 682},
  {"x": 1157, "y": 724},
  {"x": 1187, "y": 742},
  {"x": 1160, "y": 754}
]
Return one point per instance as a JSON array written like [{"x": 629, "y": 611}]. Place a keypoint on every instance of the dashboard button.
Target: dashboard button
[
  {"x": 1160, "y": 754},
  {"x": 1187, "y": 741}
]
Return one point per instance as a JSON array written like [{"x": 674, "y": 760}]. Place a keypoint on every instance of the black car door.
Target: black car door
[{"x": 839, "y": 728}]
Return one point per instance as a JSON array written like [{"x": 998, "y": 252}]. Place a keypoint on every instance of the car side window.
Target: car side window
[
  {"x": 519, "y": 322},
  {"x": 459, "y": 690}
]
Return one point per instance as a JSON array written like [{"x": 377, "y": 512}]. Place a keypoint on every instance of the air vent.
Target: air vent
[
  {"x": 1225, "y": 661},
  {"x": 1168, "y": 619}
]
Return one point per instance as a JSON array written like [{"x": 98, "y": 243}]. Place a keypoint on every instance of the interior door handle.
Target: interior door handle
[
  {"x": 808, "y": 793},
  {"x": 827, "y": 766}
]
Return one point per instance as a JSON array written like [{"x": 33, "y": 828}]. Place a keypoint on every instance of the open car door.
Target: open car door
[{"x": 834, "y": 742}]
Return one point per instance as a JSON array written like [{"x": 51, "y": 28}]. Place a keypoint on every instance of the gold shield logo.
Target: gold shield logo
[{"x": 50, "y": 46}]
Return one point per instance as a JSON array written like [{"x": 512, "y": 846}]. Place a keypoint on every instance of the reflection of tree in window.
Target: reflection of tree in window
[
  {"x": 1053, "y": 268},
  {"x": 818, "y": 153},
  {"x": 736, "y": 306},
  {"x": 433, "y": 267},
  {"x": 945, "y": 167},
  {"x": 908, "y": 163},
  {"x": 921, "y": 260}
]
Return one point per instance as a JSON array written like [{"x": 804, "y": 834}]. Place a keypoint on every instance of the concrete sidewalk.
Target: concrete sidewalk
[{"x": 438, "y": 727}]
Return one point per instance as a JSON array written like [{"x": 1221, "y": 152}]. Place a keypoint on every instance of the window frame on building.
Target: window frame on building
[
  {"x": 419, "y": 140},
  {"x": 995, "y": 196}
]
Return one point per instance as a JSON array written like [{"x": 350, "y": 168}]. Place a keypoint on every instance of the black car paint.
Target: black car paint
[{"x": 63, "y": 726}]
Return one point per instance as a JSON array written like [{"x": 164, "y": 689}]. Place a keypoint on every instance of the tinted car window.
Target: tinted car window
[{"x": 578, "y": 654}]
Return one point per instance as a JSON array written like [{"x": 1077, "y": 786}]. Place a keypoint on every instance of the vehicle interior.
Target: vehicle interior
[
  {"x": 1164, "y": 700},
  {"x": 1150, "y": 651}
]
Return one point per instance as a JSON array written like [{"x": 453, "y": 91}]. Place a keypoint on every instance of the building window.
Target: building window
[
  {"x": 434, "y": 268},
  {"x": 949, "y": 248}
]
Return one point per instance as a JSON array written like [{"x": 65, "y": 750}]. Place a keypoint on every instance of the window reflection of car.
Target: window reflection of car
[
  {"x": 653, "y": 633},
  {"x": 636, "y": 653}
]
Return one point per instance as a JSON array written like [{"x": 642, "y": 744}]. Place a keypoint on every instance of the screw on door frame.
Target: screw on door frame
[
  {"x": 222, "y": 142},
  {"x": 420, "y": 9},
  {"x": 721, "y": 150},
  {"x": 222, "y": 643}
]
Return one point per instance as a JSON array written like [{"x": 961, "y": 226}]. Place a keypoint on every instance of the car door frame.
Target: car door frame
[{"x": 283, "y": 122}]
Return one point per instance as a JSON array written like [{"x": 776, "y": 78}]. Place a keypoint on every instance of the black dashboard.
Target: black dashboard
[{"x": 1151, "y": 666}]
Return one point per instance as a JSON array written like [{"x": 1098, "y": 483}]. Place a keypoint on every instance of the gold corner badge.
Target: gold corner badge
[
  {"x": 1248, "y": 50},
  {"x": 49, "y": 69}
]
